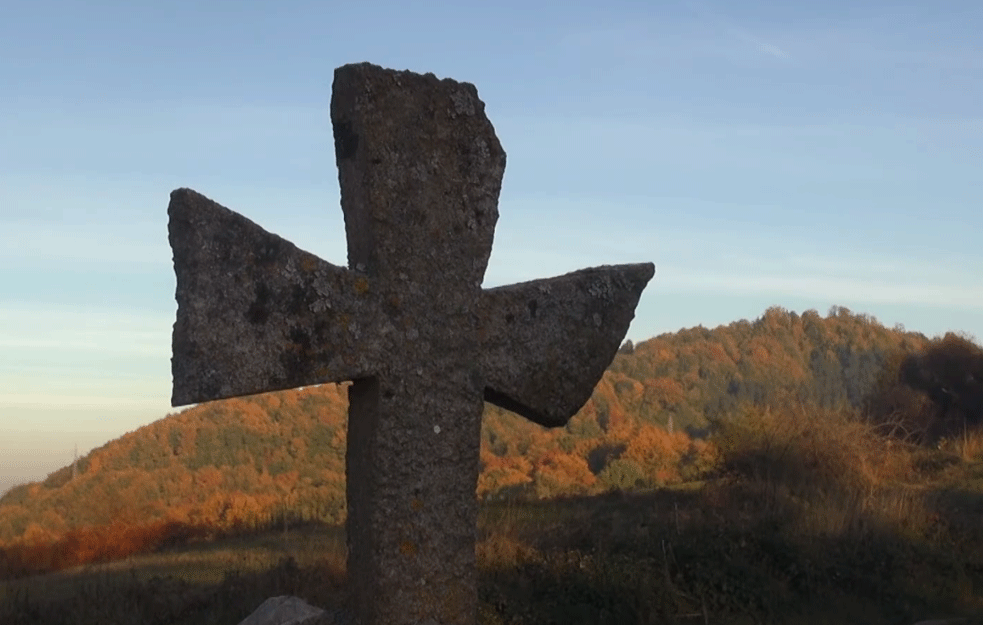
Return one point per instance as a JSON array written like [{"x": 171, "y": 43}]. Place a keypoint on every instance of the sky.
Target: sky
[{"x": 801, "y": 155}]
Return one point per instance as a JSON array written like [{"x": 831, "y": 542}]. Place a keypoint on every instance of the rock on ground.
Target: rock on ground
[{"x": 283, "y": 610}]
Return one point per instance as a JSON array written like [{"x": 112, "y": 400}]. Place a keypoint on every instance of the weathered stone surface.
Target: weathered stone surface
[
  {"x": 255, "y": 313},
  {"x": 420, "y": 170},
  {"x": 546, "y": 343},
  {"x": 283, "y": 610}
]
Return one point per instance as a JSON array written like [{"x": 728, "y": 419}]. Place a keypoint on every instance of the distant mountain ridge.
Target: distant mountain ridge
[{"x": 248, "y": 459}]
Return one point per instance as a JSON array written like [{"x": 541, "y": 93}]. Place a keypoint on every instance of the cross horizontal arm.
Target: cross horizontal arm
[
  {"x": 546, "y": 343},
  {"x": 256, "y": 313}
]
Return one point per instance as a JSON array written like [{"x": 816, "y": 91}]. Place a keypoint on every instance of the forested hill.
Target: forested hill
[
  {"x": 697, "y": 374},
  {"x": 245, "y": 460}
]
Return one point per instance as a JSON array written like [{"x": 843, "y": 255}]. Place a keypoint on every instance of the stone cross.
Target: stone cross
[{"x": 420, "y": 170}]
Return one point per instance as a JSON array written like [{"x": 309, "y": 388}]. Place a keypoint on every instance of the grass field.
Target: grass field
[{"x": 809, "y": 521}]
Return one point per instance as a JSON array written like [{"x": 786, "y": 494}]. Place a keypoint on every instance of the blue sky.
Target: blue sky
[{"x": 760, "y": 153}]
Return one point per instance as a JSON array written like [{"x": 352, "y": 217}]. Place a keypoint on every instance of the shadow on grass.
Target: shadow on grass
[
  {"x": 197, "y": 585},
  {"x": 729, "y": 551},
  {"x": 712, "y": 557}
]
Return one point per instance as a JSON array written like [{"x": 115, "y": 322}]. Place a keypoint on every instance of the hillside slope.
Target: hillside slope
[{"x": 246, "y": 460}]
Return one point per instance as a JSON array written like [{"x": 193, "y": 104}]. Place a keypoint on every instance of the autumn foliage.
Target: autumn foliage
[
  {"x": 654, "y": 420},
  {"x": 930, "y": 394},
  {"x": 39, "y": 552}
]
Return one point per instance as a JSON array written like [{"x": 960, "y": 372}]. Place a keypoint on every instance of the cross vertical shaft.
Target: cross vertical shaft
[{"x": 406, "y": 145}]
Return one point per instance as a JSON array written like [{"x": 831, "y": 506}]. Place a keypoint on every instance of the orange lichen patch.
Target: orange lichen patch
[
  {"x": 308, "y": 263},
  {"x": 407, "y": 548},
  {"x": 416, "y": 504},
  {"x": 361, "y": 285}
]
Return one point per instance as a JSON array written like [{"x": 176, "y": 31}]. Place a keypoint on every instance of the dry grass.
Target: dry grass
[
  {"x": 825, "y": 472},
  {"x": 815, "y": 518},
  {"x": 967, "y": 445}
]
